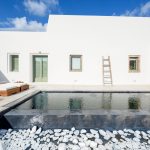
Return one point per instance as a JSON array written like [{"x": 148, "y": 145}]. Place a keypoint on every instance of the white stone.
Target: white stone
[
  {"x": 115, "y": 132},
  {"x": 75, "y": 141},
  {"x": 55, "y": 138},
  {"x": 62, "y": 146},
  {"x": 110, "y": 133},
  {"x": 93, "y": 131},
  {"x": 65, "y": 140},
  {"x": 83, "y": 131},
  {"x": 66, "y": 131},
  {"x": 121, "y": 132},
  {"x": 2, "y": 146},
  {"x": 63, "y": 133},
  {"x": 71, "y": 132},
  {"x": 137, "y": 135},
  {"x": 76, "y": 132},
  {"x": 75, "y": 147},
  {"x": 102, "y": 132},
  {"x": 130, "y": 131},
  {"x": 145, "y": 137},
  {"x": 96, "y": 135},
  {"x": 33, "y": 130},
  {"x": 114, "y": 140},
  {"x": 9, "y": 130},
  {"x": 106, "y": 137},
  {"x": 38, "y": 131},
  {"x": 99, "y": 141},
  {"x": 93, "y": 144},
  {"x": 60, "y": 139},
  {"x": 136, "y": 139},
  {"x": 48, "y": 140},
  {"x": 57, "y": 134},
  {"x": 57, "y": 130},
  {"x": 89, "y": 135},
  {"x": 101, "y": 147},
  {"x": 50, "y": 132},
  {"x": 137, "y": 132},
  {"x": 81, "y": 144},
  {"x": 73, "y": 129}
]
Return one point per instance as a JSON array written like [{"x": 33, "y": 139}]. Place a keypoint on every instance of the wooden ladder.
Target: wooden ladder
[{"x": 107, "y": 73}]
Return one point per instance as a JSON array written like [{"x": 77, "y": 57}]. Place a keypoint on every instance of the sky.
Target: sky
[{"x": 32, "y": 15}]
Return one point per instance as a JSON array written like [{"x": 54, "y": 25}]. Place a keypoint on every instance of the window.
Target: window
[
  {"x": 134, "y": 63},
  {"x": 75, "y": 63},
  {"x": 14, "y": 63}
]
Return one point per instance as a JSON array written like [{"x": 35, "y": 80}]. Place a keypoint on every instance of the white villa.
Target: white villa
[{"x": 71, "y": 52}]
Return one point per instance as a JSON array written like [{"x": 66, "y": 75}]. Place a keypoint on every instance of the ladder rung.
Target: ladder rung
[
  {"x": 106, "y": 71},
  {"x": 105, "y": 59},
  {"x": 108, "y": 77},
  {"x": 106, "y": 65},
  {"x": 107, "y": 82}
]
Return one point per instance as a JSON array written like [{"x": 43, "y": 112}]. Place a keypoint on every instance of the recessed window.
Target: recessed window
[
  {"x": 75, "y": 63},
  {"x": 134, "y": 63},
  {"x": 14, "y": 63}
]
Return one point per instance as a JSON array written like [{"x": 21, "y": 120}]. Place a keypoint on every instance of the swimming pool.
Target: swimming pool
[
  {"x": 87, "y": 101},
  {"x": 83, "y": 110}
]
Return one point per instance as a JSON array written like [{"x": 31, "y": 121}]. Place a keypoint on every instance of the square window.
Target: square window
[
  {"x": 14, "y": 63},
  {"x": 75, "y": 63},
  {"x": 134, "y": 63}
]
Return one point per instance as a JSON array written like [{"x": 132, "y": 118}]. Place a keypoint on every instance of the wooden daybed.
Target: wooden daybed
[
  {"x": 7, "y": 90},
  {"x": 22, "y": 86}
]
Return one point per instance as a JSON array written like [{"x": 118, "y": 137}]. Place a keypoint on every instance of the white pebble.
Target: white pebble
[
  {"x": 93, "y": 144},
  {"x": 62, "y": 146},
  {"x": 76, "y": 132},
  {"x": 57, "y": 130},
  {"x": 93, "y": 131},
  {"x": 33, "y": 130},
  {"x": 83, "y": 131},
  {"x": 38, "y": 131}
]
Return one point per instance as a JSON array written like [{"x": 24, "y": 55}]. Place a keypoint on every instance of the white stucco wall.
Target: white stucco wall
[{"x": 89, "y": 36}]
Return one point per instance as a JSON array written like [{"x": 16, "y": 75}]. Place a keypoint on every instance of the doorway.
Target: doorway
[{"x": 40, "y": 68}]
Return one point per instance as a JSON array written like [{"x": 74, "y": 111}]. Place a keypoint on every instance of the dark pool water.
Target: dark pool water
[{"x": 88, "y": 101}]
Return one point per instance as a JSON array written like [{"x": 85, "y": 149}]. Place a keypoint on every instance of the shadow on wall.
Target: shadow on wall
[{"x": 3, "y": 78}]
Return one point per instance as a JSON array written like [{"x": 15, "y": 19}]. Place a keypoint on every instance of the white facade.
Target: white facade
[{"x": 89, "y": 36}]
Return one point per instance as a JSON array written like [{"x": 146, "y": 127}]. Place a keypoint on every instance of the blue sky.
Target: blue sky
[{"x": 32, "y": 15}]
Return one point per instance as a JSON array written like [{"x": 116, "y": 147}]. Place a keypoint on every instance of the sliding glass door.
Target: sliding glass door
[{"x": 40, "y": 68}]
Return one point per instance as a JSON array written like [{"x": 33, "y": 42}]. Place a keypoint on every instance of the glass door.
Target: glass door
[{"x": 40, "y": 68}]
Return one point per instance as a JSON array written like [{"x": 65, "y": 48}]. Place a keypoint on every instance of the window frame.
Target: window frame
[
  {"x": 70, "y": 63},
  {"x": 10, "y": 62},
  {"x": 138, "y": 60}
]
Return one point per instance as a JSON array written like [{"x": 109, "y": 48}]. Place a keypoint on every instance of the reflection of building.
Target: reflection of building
[
  {"x": 75, "y": 104},
  {"x": 106, "y": 100},
  {"x": 71, "y": 51},
  {"x": 134, "y": 102},
  {"x": 40, "y": 101},
  {"x": 88, "y": 101}
]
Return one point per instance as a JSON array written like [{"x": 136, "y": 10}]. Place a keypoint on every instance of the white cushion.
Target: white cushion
[
  {"x": 19, "y": 84},
  {"x": 6, "y": 86}
]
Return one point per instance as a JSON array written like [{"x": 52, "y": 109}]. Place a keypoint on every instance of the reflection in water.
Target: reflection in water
[
  {"x": 134, "y": 103},
  {"x": 87, "y": 101},
  {"x": 40, "y": 101},
  {"x": 106, "y": 100},
  {"x": 75, "y": 104}
]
